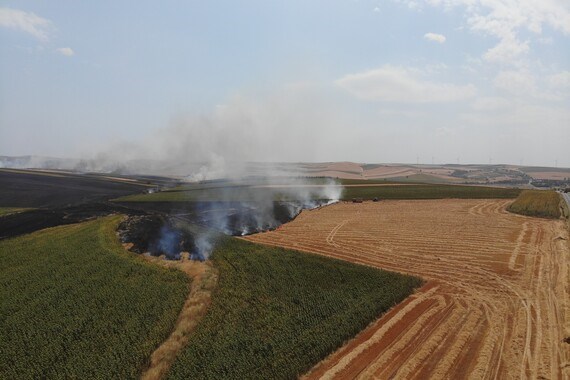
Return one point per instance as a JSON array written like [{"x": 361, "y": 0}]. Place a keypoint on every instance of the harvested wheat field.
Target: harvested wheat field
[{"x": 496, "y": 304}]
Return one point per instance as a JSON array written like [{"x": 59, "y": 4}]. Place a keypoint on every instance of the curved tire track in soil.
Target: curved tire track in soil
[{"x": 496, "y": 304}]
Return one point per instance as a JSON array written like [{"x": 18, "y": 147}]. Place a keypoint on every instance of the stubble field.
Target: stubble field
[{"x": 496, "y": 304}]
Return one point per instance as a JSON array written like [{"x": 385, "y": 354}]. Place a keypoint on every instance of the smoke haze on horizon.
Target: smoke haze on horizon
[{"x": 386, "y": 82}]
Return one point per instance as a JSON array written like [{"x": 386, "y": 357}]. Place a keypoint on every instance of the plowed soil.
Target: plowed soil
[{"x": 496, "y": 304}]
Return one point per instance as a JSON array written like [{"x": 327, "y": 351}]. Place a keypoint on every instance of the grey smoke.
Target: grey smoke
[
  {"x": 265, "y": 207},
  {"x": 293, "y": 124},
  {"x": 242, "y": 139}
]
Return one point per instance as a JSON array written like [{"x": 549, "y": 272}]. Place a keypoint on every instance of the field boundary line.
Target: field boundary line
[{"x": 204, "y": 279}]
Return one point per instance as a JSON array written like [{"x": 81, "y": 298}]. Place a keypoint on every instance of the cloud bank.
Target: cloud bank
[
  {"x": 508, "y": 21},
  {"x": 402, "y": 85},
  {"x": 29, "y": 23}
]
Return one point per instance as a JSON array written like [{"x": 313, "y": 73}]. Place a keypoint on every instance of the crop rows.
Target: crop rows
[
  {"x": 76, "y": 305},
  {"x": 376, "y": 189},
  {"x": 276, "y": 312},
  {"x": 545, "y": 204},
  {"x": 415, "y": 191},
  {"x": 493, "y": 307}
]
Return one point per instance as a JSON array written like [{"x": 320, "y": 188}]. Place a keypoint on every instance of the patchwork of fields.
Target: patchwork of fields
[
  {"x": 496, "y": 304},
  {"x": 75, "y": 304}
]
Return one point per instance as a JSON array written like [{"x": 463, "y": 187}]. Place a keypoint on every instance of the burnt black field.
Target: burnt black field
[
  {"x": 155, "y": 227},
  {"x": 48, "y": 190},
  {"x": 58, "y": 198},
  {"x": 34, "y": 220}
]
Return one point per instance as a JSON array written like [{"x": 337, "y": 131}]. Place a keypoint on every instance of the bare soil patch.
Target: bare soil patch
[
  {"x": 496, "y": 304},
  {"x": 551, "y": 175}
]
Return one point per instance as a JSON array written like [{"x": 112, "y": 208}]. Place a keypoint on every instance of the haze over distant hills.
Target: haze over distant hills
[{"x": 444, "y": 173}]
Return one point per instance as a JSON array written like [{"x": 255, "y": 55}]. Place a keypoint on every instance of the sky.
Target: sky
[{"x": 442, "y": 81}]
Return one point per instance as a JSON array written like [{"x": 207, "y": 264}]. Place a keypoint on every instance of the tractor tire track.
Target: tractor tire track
[{"x": 496, "y": 302}]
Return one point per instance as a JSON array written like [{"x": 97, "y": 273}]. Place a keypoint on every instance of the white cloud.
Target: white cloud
[
  {"x": 68, "y": 52},
  {"x": 507, "y": 51},
  {"x": 27, "y": 22},
  {"x": 404, "y": 85},
  {"x": 506, "y": 19},
  {"x": 377, "y": 9},
  {"x": 435, "y": 37}
]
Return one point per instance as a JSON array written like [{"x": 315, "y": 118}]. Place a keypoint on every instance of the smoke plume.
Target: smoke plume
[{"x": 246, "y": 140}]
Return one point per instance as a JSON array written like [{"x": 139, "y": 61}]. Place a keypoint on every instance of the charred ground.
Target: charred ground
[
  {"x": 41, "y": 189},
  {"x": 159, "y": 228}
]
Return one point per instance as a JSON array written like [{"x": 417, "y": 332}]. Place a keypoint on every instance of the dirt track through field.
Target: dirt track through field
[
  {"x": 496, "y": 304},
  {"x": 204, "y": 279}
]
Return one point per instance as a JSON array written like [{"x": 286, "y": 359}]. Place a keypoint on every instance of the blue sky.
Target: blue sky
[{"x": 368, "y": 81}]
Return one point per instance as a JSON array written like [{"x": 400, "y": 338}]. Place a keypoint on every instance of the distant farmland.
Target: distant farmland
[
  {"x": 354, "y": 190},
  {"x": 429, "y": 192},
  {"x": 424, "y": 283},
  {"x": 27, "y": 188}
]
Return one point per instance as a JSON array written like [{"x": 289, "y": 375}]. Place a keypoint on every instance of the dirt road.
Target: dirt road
[{"x": 496, "y": 304}]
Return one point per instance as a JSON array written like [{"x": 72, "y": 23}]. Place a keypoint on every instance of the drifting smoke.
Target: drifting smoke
[
  {"x": 244, "y": 210},
  {"x": 293, "y": 124},
  {"x": 204, "y": 246},
  {"x": 169, "y": 243},
  {"x": 242, "y": 140}
]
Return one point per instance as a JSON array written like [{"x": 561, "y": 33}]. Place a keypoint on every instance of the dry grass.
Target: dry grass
[{"x": 204, "y": 279}]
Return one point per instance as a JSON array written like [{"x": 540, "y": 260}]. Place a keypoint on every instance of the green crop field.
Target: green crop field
[
  {"x": 74, "y": 304},
  {"x": 393, "y": 191},
  {"x": 429, "y": 192},
  {"x": 541, "y": 203},
  {"x": 278, "y": 312}
]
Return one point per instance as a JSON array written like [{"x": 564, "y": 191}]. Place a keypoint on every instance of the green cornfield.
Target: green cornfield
[
  {"x": 278, "y": 312},
  {"x": 425, "y": 191},
  {"x": 541, "y": 203},
  {"x": 75, "y": 304},
  {"x": 400, "y": 191}
]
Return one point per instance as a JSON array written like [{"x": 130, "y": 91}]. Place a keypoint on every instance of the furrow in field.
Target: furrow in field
[{"x": 496, "y": 304}]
